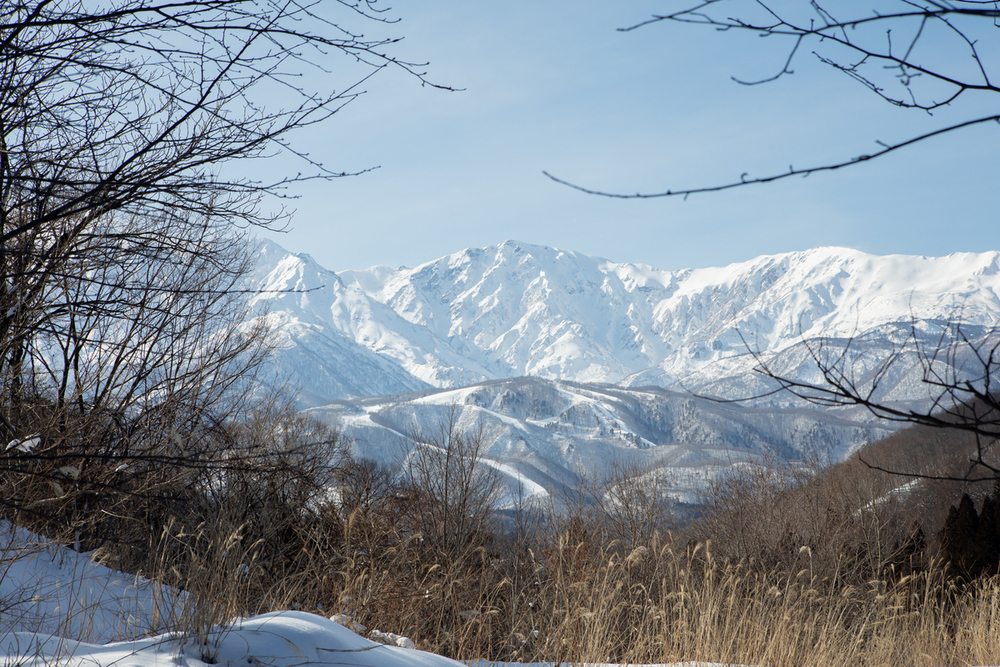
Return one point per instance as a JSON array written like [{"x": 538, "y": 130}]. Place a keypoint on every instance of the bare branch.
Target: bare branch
[
  {"x": 870, "y": 60},
  {"x": 887, "y": 148}
]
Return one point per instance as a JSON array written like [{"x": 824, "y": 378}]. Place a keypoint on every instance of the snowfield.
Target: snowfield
[
  {"x": 48, "y": 589},
  {"x": 278, "y": 639},
  {"x": 570, "y": 362},
  {"x": 57, "y": 605}
]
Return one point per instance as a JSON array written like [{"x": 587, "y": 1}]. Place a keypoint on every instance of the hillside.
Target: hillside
[{"x": 548, "y": 438}]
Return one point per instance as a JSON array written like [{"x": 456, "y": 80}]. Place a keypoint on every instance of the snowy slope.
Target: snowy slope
[
  {"x": 47, "y": 588},
  {"x": 277, "y": 639},
  {"x": 547, "y": 437},
  {"x": 607, "y": 354},
  {"x": 57, "y": 606},
  {"x": 322, "y": 361}
]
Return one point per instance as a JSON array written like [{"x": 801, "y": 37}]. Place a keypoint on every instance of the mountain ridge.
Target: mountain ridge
[{"x": 515, "y": 309}]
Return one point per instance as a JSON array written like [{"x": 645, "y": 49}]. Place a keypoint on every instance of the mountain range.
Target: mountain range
[
  {"x": 597, "y": 347},
  {"x": 525, "y": 310}
]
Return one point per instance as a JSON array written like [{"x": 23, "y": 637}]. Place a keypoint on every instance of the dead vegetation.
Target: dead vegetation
[{"x": 843, "y": 567}]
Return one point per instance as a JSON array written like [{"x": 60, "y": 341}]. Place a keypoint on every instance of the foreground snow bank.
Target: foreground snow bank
[
  {"x": 278, "y": 639},
  {"x": 53, "y": 601},
  {"x": 49, "y": 589}
]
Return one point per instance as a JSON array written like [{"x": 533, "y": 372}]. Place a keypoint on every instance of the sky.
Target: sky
[{"x": 553, "y": 85}]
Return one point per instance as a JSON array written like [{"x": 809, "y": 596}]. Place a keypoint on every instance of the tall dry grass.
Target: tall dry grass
[
  {"x": 809, "y": 571},
  {"x": 660, "y": 603},
  {"x": 827, "y": 570}
]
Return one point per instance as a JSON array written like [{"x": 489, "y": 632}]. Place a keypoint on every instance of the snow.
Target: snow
[
  {"x": 514, "y": 309},
  {"x": 59, "y": 605},
  {"x": 544, "y": 436},
  {"x": 519, "y": 309},
  {"x": 277, "y": 639},
  {"x": 50, "y": 589}
]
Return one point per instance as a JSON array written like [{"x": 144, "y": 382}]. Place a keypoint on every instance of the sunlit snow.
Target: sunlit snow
[{"x": 519, "y": 309}]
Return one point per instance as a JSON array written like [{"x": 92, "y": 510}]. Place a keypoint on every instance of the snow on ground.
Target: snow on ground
[
  {"x": 46, "y": 588},
  {"x": 59, "y": 605},
  {"x": 278, "y": 639}
]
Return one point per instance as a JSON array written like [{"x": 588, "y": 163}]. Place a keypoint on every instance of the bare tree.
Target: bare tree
[
  {"x": 117, "y": 120},
  {"x": 959, "y": 370},
  {"x": 122, "y": 259},
  {"x": 128, "y": 364},
  {"x": 880, "y": 47},
  {"x": 134, "y": 106},
  {"x": 455, "y": 493},
  {"x": 631, "y": 504}
]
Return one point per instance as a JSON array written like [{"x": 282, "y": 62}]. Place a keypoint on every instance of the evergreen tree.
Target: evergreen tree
[
  {"x": 988, "y": 535},
  {"x": 958, "y": 537}
]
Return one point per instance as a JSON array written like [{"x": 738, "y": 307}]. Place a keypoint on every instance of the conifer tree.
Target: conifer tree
[
  {"x": 988, "y": 537},
  {"x": 958, "y": 537}
]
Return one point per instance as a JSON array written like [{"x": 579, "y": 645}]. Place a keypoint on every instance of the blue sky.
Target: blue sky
[{"x": 552, "y": 85}]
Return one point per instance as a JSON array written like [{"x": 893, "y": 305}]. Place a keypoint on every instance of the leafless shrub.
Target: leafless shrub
[
  {"x": 452, "y": 491},
  {"x": 632, "y": 504}
]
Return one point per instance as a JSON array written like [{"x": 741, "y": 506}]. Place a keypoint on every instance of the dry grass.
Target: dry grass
[
  {"x": 820, "y": 571},
  {"x": 659, "y": 603}
]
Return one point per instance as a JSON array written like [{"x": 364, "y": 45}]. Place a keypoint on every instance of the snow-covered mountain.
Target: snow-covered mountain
[{"x": 517, "y": 309}]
